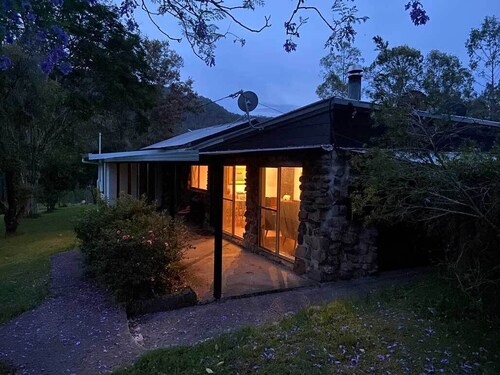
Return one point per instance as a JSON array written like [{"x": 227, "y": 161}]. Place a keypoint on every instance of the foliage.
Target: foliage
[
  {"x": 446, "y": 82},
  {"x": 199, "y": 23},
  {"x": 402, "y": 76},
  {"x": 115, "y": 86},
  {"x": 33, "y": 115},
  {"x": 446, "y": 176},
  {"x": 35, "y": 24},
  {"x": 483, "y": 48},
  {"x": 59, "y": 172},
  {"x": 395, "y": 72},
  {"x": 405, "y": 330},
  {"x": 123, "y": 86},
  {"x": 25, "y": 259},
  {"x": 131, "y": 249},
  {"x": 335, "y": 67}
]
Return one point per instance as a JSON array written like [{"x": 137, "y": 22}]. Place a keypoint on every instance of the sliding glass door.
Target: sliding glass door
[
  {"x": 234, "y": 200},
  {"x": 279, "y": 209}
]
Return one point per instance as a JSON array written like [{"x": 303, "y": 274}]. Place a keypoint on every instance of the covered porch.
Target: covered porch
[{"x": 243, "y": 272}]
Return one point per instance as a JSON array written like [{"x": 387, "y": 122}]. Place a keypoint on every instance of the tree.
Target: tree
[
  {"x": 57, "y": 174},
  {"x": 116, "y": 81},
  {"x": 33, "y": 115},
  {"x": 174, "y": 97},
  {"x": 335, "y": 67},
  {"x": 446, "y": 82},
  {"x": 438, "y": 82},
  {"x": 395, "y": 74},
  {"x": 483, "y": 48},
  {"x": 119, "y": 80},
  {"x": 199, "y": 23}
]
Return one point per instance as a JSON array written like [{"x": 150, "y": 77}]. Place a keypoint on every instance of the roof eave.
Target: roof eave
[{"x": 146, "y": 156}]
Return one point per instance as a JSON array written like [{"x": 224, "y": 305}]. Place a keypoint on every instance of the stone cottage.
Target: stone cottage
[{"x": 278, "y": 187}]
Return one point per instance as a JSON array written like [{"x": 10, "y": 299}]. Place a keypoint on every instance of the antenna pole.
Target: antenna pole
[{"x": 100, "y": 141}]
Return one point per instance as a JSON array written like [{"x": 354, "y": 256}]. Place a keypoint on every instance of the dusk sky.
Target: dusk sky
[{"x": 285, "y": 81}]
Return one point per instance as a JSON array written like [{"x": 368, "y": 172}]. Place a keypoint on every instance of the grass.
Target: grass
[
  {"x": 418, "y": 329},
  {"x": 24, "y": 258}
]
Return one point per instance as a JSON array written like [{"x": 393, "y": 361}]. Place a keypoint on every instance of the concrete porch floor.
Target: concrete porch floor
[{"x": 243, "y": 272}]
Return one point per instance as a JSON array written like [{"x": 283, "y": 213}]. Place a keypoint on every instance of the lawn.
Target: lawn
[
  {"x": 419, "y": 329},
  {"x": 24, "y": 258}
]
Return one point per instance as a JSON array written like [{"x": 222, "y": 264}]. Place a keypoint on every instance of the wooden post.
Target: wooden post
[{"x": 216, "y": 169}]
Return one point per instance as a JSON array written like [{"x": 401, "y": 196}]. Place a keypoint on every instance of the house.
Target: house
[{"x": 278, "y": 187}]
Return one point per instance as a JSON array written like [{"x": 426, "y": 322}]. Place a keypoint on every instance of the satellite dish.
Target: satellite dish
[{"x": 248, "y": 101}]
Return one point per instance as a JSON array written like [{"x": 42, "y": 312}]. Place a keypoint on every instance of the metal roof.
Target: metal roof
[
  {"x": 195, "y": 136},
  {"x": 459, "y": 119},
  {"x": 146, "y": 155},
  {"x": 189, "y": 145}
]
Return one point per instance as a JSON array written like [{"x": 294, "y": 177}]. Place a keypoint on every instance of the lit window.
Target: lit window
[{"x": 199, "y": 177}]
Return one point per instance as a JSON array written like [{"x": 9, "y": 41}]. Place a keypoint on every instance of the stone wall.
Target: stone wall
[
  {"x": 251, "y": 236},
  {"x": 331, "y": 246}
]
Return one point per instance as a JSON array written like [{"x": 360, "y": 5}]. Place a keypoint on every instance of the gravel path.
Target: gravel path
[
  {"x": 194, "y": 324},
  {"x": 78, "y": 331}
]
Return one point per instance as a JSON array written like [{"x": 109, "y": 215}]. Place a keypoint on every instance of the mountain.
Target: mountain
[{"x": 209, "y": 114}]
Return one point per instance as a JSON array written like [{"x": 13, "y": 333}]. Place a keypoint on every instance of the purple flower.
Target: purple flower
[
  {"x": 40, "y": 36},
  {"x": 7, "y": 4},
  {"x": 5, "y": 62},
  {"x": 60, "y": 34},
  {"x": 46, "y": 66},
  {"x": 290, "y": 46},
  {"x": 57, "y": 3},
  {"x": 9, "y": 38},
  {"x": 30, "y": 16},
  {"x": 268, "y": 353},
  {"x": 65, "y": 68}
]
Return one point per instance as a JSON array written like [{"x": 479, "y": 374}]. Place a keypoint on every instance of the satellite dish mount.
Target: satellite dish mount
[{"x": 247, "y": 102}]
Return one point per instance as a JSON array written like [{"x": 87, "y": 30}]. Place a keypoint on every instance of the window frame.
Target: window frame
[{"x": 197, "y": 188}]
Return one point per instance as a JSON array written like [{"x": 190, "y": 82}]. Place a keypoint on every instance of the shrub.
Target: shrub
[{"x": 131, "y": 249}]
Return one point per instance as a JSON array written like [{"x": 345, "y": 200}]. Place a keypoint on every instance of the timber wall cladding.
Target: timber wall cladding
[{"x": 330, "y": 245}]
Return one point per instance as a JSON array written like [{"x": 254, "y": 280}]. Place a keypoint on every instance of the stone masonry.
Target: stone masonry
[{"x": 331, "y": 246}]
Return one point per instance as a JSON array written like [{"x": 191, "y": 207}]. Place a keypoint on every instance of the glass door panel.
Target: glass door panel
[
  {"x": 269, "y": 208},
  {"x": 268, "y": 229},
  {"x": 279, "y": 213},
  {"x": 227, "y": 216},
  {"x": 234, "y": 200},
  {"x": 240, "y": 199},
  {"x": 228, "y": 182},
  {"x": 289, "y": 210},
  {"x": 269, "y": 188}
]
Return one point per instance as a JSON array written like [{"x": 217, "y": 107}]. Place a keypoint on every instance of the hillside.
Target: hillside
[{"x": 209, "y": 114}]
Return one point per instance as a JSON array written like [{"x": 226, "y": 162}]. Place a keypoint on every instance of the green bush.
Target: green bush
[{"x": 131, "y": 249}]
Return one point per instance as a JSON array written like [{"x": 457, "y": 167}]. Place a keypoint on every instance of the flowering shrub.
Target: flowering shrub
[{"x": 132, "y": 249}]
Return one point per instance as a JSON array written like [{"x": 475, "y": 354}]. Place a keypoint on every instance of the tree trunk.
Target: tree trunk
[{"x": 14, "y": 206}]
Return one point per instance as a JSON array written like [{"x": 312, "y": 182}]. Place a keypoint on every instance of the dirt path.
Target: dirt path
[{"x": 78, "y": 331}]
